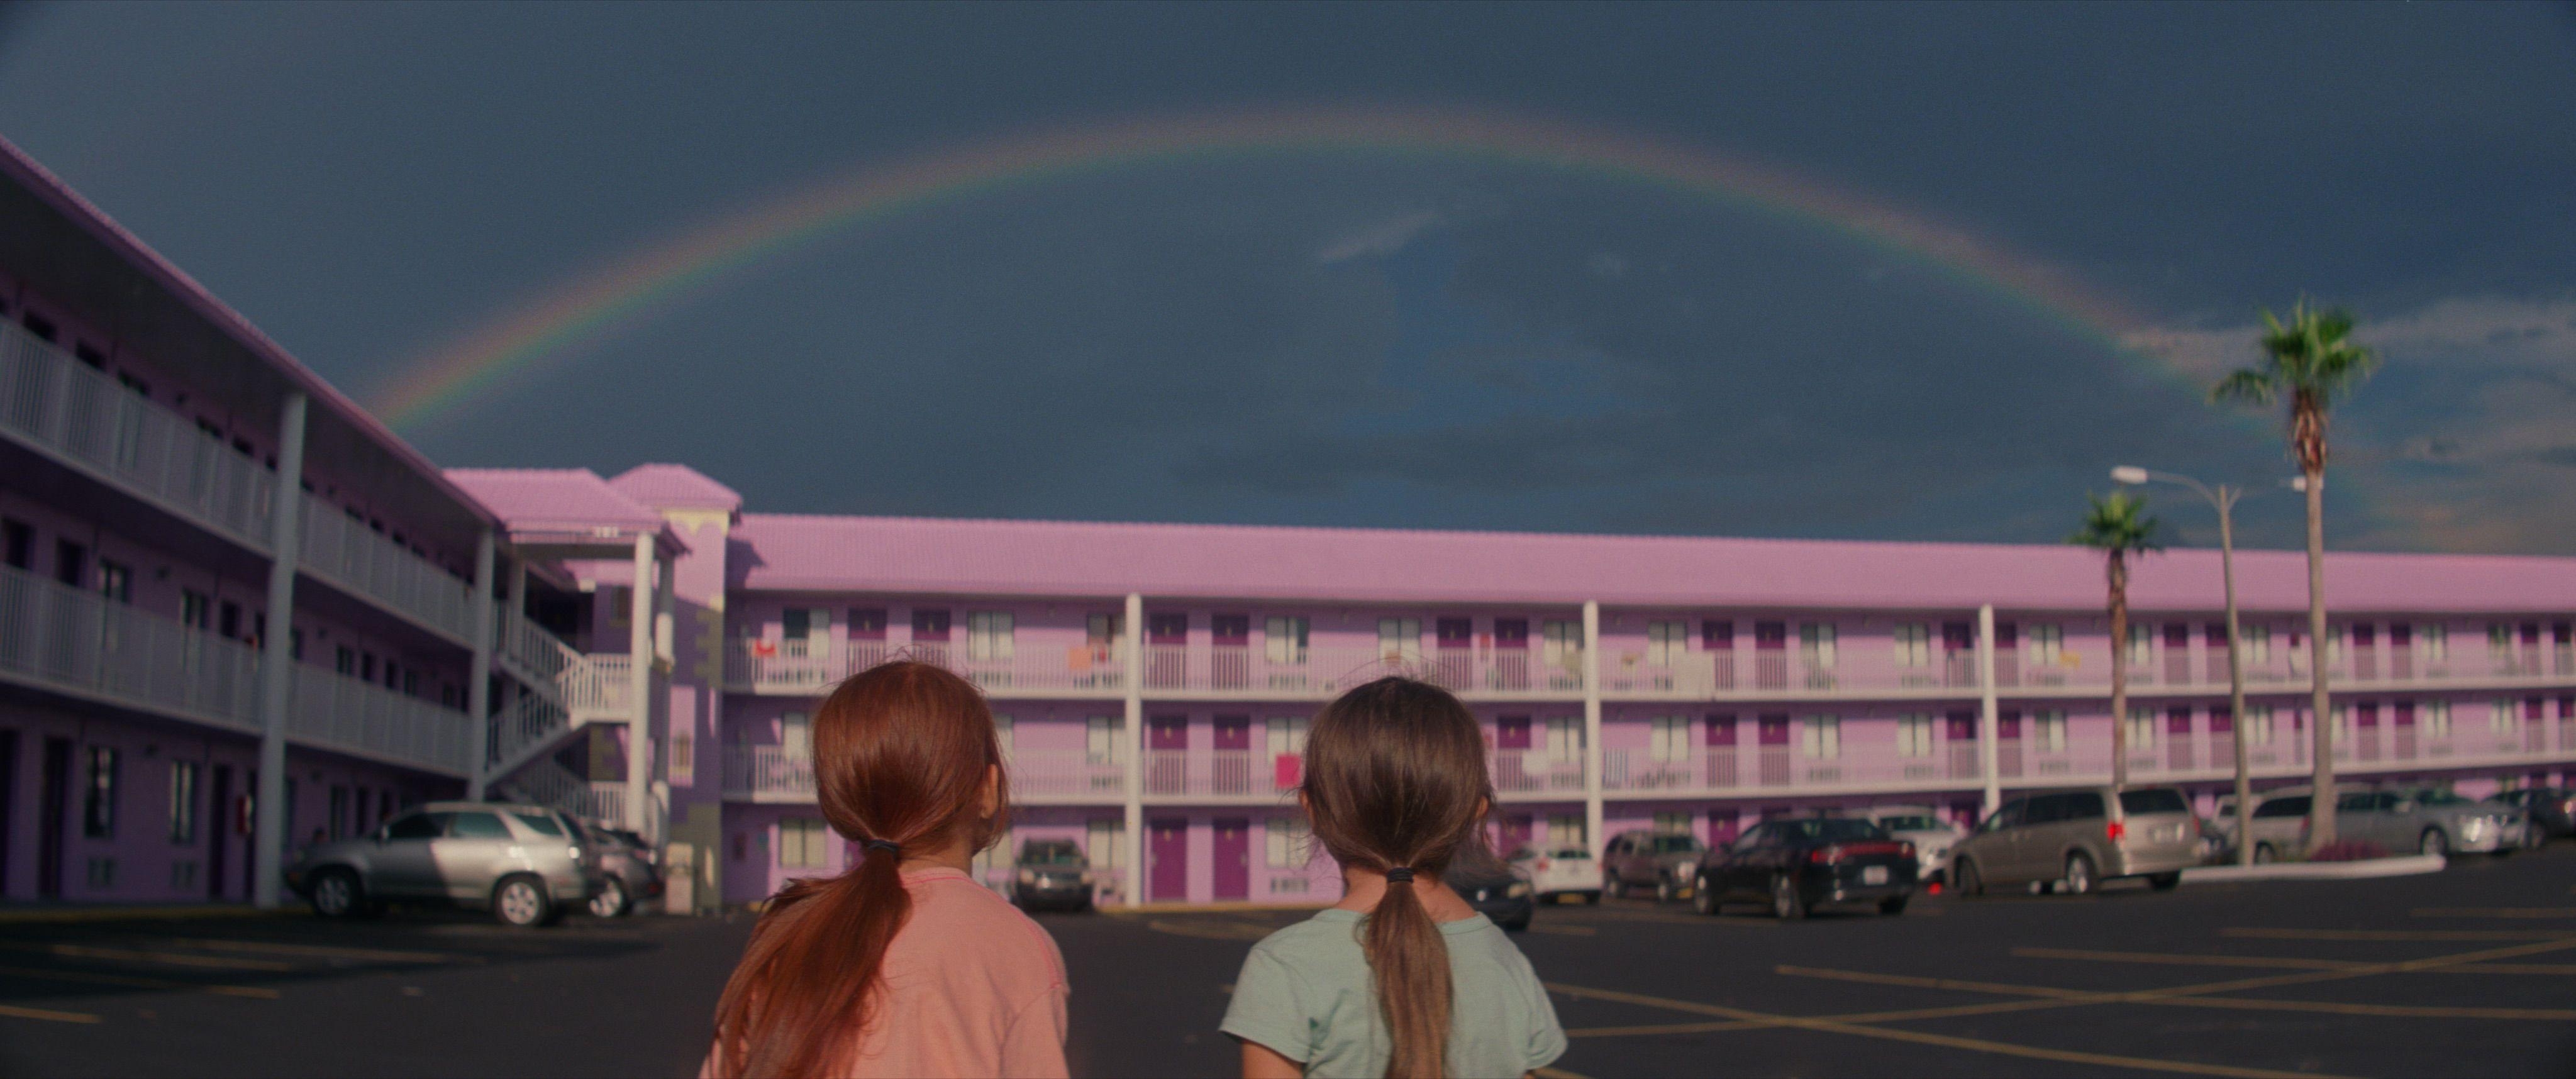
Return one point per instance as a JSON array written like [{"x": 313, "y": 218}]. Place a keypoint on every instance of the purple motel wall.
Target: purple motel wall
[{"x": 1154, "y": 682}]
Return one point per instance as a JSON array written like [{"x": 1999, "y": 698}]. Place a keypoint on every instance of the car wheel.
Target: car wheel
[
  {"x": 1611, "y": 887},
  {"x": 336, "y": 894},
  {"x": 1892, "y": 905},
  {"x": 2265, "y": 855},
  {"x": 1704, "y": 897},
  {"x": 521, "y": 901},
  {"x": 2164, "y": 882},
  {"x": 1663, "y": 889},
  {"x": 612, "y": 901},
  {"x": 2079, "y": 875},
  {"x": 2433, "y": 843},
  {"x": 1786, "y": 904},
  {"x": 1591, "y": 899},
  {"x": 1972, "y": 884}
]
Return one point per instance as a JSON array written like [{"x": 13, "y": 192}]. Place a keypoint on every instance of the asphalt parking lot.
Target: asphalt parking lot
[{"x": 2468, "y": 972}]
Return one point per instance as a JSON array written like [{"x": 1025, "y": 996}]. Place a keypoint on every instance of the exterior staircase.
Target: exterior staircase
[{"x": 561, "y": 690}]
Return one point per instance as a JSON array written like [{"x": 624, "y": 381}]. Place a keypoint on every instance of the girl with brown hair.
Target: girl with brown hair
[
  {"x": 1401, "y": 978},
  {"x": 902, "y": 965}
]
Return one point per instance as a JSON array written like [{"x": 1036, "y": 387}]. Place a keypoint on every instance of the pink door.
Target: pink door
[
  {"x": 1233, "y": 859},
  {"x": 1169, "y": 857},
  {"x": 1231, "y": 769}
]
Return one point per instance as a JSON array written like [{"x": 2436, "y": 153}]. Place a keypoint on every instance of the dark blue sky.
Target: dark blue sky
[{"x": 1351, "y": 338}]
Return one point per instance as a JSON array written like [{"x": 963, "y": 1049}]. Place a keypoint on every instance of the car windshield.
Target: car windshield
[
  {"x": 1050, "y": 854},
  {"x": 1909, "y": 822},
  {"x": 1831, "y": 830},
  {"x": 2135, "y": 803},
  {"x": 1569, "y": 852},
  {"x": 1675, "y": 844},
  {"x": 540, "y": 823}
]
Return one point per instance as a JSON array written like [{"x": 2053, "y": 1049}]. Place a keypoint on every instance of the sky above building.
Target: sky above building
[{"x": 1908, "y": 272}]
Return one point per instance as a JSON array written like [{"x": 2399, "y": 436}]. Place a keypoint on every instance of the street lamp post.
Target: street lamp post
[{"x": 2224, "y": 500}]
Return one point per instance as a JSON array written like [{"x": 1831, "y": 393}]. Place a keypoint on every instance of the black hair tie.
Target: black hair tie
[
  {"x": 887, "y": 846},
  {"x": 1399, "y": 875}
]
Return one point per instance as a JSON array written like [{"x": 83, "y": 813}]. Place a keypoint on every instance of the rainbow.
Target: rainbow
[{"x": 659, "y": 274}]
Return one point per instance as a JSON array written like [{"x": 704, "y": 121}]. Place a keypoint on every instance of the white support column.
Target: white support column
[
  {"x": 639, "y": 650},
  {"x": 1592, "y": 823},
  {"x": 1135, "y": 735},
  {"x": 478, "y": 673},
  {"x": 277, "y": 660},
  {"x": 666, "y": 590},
  {"x": 1988, "y": 724}
]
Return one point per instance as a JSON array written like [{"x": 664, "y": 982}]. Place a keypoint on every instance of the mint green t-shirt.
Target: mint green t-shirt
[{"x": 1305, "y": 992}]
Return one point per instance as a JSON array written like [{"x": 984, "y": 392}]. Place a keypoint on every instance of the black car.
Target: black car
[
  {"x": 1792, "y": 865},
  {"x": 2552, "y": 811},
  {"x": 1051, "y": 873},
  {"x": 1494, "y": 889}
]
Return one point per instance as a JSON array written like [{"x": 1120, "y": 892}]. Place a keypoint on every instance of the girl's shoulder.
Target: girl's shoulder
[{"x": 957, "y": 916}]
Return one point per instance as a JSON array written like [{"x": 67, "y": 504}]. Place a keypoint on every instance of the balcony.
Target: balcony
[
  {"x": 813, "y": 667},
  {"x": 365, "y": 719},
  {"x": 83, "y": 419},
  {"x": 1535, "y": 772},
  {"x": 1173, "y": 670},
  {"x": 1218, "y": 774},
  {"x": 356, "y": 559},
  {"x": 777, "y": 773},
  {"x": 75, "y": 640},
  {"x": 1725, "y": 770}
]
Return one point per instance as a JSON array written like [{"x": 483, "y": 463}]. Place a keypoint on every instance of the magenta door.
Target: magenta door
[
  {"x": 1232, "y": 860},
  {"x": 1169, "y": 852}
]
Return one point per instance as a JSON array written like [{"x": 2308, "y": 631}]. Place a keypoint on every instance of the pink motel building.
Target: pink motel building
[{"x": 203, "y": 666}]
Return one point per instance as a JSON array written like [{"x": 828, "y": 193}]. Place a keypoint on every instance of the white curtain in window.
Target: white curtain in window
[
  {"x": 1669, "y": 739},
  {"x": 1104, "y": 740},
  {"x": 795, "y": 735},
  {"x": 1822, "y": 737},
  {"x": 1666, "y": 642},
  {"x": 1914, "y": 735},
  {"x": 988, "y": 636},
  {"x": 1105, "y": 844},
  {"x": 1816, "y": 643},
  {"x": 1284, "y": 641},
  {"x": 1399, "y": 637},
  {"x": 1913, "y": 644}
]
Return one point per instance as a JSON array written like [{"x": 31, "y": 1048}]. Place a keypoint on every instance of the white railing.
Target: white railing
[
  {"x": 768, "y": 770},
  {"x": 1713, "y": 769},
  {"x": 76, "y": 413},
  {"x": 601, "y": 684},
  {"x": 1534, "y": 771},
  {"x": 528, "y": 721},
  {"x": 72, "y": 638},
  {"x": 340, "y": 712},
  {"x": 543, "y": 782},
  {"x": 1044, "y": 774},
  {"x": 813, "y": 666},
  {"x": 1309, "y": 672},
  {"x": 348, "y": 553},
  {"x": 540, "y": 655}
]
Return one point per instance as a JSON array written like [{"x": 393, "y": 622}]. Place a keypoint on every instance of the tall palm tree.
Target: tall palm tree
[
  {"x": 2311, "y": 360},
  {"x": 2118, "y": 526}
]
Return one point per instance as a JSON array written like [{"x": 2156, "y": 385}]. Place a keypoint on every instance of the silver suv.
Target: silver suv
[
  {"x": 2079, "y": 839},
  {"x": 1665, "y": 862},
  {"x": 2429, "y": 821},
  {"x": 525, "y": 864}
]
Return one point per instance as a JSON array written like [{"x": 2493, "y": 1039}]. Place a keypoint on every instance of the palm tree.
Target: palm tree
[
  {"x": 2311, "y": 360},
  {"x": 2118, "y": 526}
]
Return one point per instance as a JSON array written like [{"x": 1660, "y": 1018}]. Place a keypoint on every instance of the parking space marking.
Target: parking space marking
[
  {"x": 2276, "y": 962},
  {"x": 1211, "y": 929},
  {"x": 2493, "y": 912},
  {"x": 127, "y": 955},
  {"x": 1566, "y": 930},
  {"x": 1920, "y": 1037},
  {"x": 136, "y": 982},
  {"x": 319, "y": 951},
  {"x": 2170, "y": 998},
  {"x": 2456, "y": 935},
  {"x": 14, "y": 1012}
]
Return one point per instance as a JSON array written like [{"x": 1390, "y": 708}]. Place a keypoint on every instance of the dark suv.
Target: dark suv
[
  {"x": 1051, "y": 873},
  {"x": 1793, "y": 865}
]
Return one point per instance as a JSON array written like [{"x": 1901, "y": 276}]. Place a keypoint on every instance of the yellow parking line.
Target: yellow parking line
[
  {"x": 2267, "y": 933},
  {"x": 137, "y": 982},
  {"x": 1950, "y": 1012},
  {"x": 1918, "y": 1037},
  {"x": 2187, "y": 960},
  {"x": 15, "y": 1012},
  {"x": 321, "y": 951},
  {"x": 1212, "y": 929},
  {"x": 174, "y": 959},
  {"x": 2191, "y": 1000},
  {"x": 2493, "y": 912},
  {"x": 1566, "y": 930}
]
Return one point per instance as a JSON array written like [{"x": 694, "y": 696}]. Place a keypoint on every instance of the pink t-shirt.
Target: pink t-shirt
[{"x": 972, "y": 988}]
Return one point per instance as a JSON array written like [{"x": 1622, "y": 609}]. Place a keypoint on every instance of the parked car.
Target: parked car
[
  {"x": 1662, "y": 861},
  {"x": 1051, "y": 873},
  {"x": 2550, "y": 811},
  {"x": 630, "y": 869},
  {"x": 2080, "y": 838},
  {"x": 528, "y": 865},
  {"x": 1495, "y": 889},
  {"x": 1557, "y": 872},
  {"x": 2280, "y": 822},
  {"x": 1793, "y": 865},
  {"x": 2428, "y": 821},
  {"x": 1932, "y": 837}
]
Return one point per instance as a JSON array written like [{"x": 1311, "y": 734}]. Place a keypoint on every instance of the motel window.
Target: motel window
[
  {"x": 346, "y": 662},
  {"x": 1283, "y": 640},
  {"x": 183, "y": 802},
  {"x": 1399, "y": 637},
  {"x": 1104, "y": 739},
  {"x": 1674, "y": 822},
  {"x": 795, "y": 736},
  {"x": 1564, "y": 740},
  {"x": 1669, "y": 738},
  {"x": 115, "y": 581},
  {"x": 71, "y": 563},
  {"x": 2048, "y": 731},
  {"x": 930, "y": 624},
  {"x": 1103, "y": 630},
  {"x": 2335, "y": 642},
  {"x": 2047, "y": 644},
  {"x": 867, "y": 623},
  {"x": 1666, "y": 643},
  {"x": 2433, "y": 642},
  {"x": 1291, "y": 842},
  {"x": 2257, "y": 644},
  {"x": 197, "y": 610},
  {"x": 2142, "y": 728},
  {"x": 18, "y": 543},
  {"x": 621, "y": 603},
  {"x": 802, "y": 843},
  {"x": 1565, "y": 829},
  {"x": 1105, "y": 843},
  {"x": 1821, "y": 737},
  {"x": 1913, "y": 644},
  {"x": 1561, "y": 644},
  {"x": 2501, "y": 717},
  {"x": 2436, "y": 719},
  {"x": 1287, "y": 736},
  {"x": 228, "y": 620},
  {"x": 366, "y": 666},
  {"x": 2142, "y": 646},
  {"x": 988, "y": 636},
  {"x": 810, "y": 625},
  {"x": 98, "y": 809},
  {"x": 1816, "y": 644},
  {"x": 2499, "y": 642},
  {"x": 1914, "y": 734},
  {"x": 2258, "y": 724},
  {"x": 682, "y": 769}
]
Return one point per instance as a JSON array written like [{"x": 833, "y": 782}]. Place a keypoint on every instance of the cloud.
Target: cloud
[{"x": 1378, "y": 239}]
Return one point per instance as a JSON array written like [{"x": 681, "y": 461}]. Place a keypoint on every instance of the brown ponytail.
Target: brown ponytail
[
  {"x": 1395, "y": 779},
  {"x": 901, "y": 752}
]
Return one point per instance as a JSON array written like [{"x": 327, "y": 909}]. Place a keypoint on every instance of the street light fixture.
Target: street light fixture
[{"x": 2224, "y": 499}]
